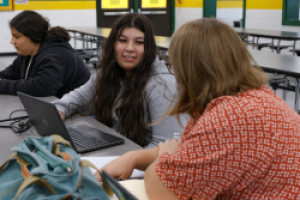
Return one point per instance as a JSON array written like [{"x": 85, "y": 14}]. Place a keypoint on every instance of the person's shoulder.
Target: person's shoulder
[
  {"x": 161, "y": 83},
  {"x": 263, "y": 96},
  {"x": 159, "y": 67},
  {"x": 94, "y": 76},
  {"x": 51, "y": 52},
  {"x": 56, "y": 46},
  {"x": 160, "y": 74},
  {"x": 243, "y": 102}
]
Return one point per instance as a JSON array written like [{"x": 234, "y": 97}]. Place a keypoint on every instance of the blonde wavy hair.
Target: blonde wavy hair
[{"x": 210, "y": 61}]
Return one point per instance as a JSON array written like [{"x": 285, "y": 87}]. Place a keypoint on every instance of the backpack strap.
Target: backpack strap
[
  {"x": 59, "y": 140},
  {"x": 106, "y": 187},
  {"x": 10, "y": 158},
  {"x": 22, "y": 163},
  {"x": 34, "y": 180}
]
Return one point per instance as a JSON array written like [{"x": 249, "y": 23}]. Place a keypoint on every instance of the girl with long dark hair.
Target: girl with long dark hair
[{"x": 132, "y": 88}]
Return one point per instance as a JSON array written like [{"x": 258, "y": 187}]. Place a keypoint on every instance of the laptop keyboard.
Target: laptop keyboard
[{"x": 81, "y": 141}]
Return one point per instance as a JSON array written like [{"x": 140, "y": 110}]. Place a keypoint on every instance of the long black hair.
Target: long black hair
[
  {"x": 36, "y": 27},
  {"x": 131, "y": 111}
]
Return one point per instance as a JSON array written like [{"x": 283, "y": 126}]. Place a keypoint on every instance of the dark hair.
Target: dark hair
[
  {"x": 36, "y": 27},
  {"x": 131, "y": 111}
]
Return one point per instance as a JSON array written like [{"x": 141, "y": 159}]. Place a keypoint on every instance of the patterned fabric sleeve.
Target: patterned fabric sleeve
[{"x": 230, "y": 145}]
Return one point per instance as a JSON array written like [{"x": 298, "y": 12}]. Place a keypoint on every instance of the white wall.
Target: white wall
[
  {"x": 72, "y": 18},
  {"x": 183, "y": 15},
  {"x": 267, "y": 20},
  {"x": 65, "y": 18},
  {"x": 270, "y": 20},
  {"x": 5, "y": 35},
  {"x": 255, "y": 19},
  {"x": 229, "y": 15}
]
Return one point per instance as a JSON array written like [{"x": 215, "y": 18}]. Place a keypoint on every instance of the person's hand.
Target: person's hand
[
  {"x": 120, "y": 168},
  {"x": 168, "y": 146},
  {"x": 62, "y": 116}
]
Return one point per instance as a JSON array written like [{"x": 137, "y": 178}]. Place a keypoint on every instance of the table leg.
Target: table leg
[
  {"x": 294, "y": 48},
  {"x": 83, "y": 42},
  {"x": 99, "y": 41},
  {"x": 278, "y": 45},
  {"x": 75, "y": 42},
  {"x": 296, "y": 106},
  {"x": 284, "y": 92},
  {"x": 164, "y": 53}
]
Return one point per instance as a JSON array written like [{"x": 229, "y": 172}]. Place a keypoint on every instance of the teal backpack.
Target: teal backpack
[{"x": 48, "y": 168}]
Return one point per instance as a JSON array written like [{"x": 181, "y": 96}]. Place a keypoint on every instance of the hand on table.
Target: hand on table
[{"x": 120, "y": 168}]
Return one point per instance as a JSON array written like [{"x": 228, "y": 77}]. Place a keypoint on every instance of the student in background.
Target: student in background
[
  {"x": 46, "y": 64},
  {"x": 132, "y": 88},
  {"x": 242, "y": 141}
]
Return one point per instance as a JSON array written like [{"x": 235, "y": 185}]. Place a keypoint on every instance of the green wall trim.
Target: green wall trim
[
  {"x": 291, "y": 23},
  {"x": 285, "y": 20},
  {"x": 209, "y": 8},
  {"x": 284, "y": 12},
  {"x": 135, "y": 6},
  {"x": 172, "y": 16},
  {"x": 244, "y": 14}
]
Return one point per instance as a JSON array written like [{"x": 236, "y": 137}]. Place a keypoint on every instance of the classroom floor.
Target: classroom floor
[{"x": 290, "y": 95}]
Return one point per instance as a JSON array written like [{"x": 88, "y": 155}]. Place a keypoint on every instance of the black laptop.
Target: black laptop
[{"x": 45, "y": 118}]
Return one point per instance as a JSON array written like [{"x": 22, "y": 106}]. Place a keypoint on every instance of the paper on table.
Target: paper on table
[
  {"x": 101, "y": 161},
  {"x": 135, "y": 187}
]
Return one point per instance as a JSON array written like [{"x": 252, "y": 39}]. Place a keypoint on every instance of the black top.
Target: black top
[{"x": 55, "y": 70}]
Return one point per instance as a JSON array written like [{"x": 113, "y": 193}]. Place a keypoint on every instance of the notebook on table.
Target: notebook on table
[{"x": 45, "y": 118}]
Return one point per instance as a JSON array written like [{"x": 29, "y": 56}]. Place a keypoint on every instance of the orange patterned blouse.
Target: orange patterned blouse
[{"x": 243, "y": 147}]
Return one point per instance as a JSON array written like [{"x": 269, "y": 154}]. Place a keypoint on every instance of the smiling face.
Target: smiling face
[
  {"x": 23, "y": 44},
  {"x": 129, "y": 49}
]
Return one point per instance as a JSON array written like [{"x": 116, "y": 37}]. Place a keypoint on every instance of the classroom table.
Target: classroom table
[
  {"x": 162, "y": 42},
  {"x": 102, "y": 34},
  {"x": 280, "y": 64},
  {"x": 92, "y": 40},
  {"x": 274, "y": 63},
  {"x": 9, "y": 139},
  {"x": 279, "y": 35}
]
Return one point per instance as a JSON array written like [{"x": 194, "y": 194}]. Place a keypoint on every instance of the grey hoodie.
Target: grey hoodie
[{"x": 159, "y": 92}]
